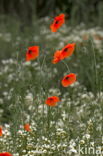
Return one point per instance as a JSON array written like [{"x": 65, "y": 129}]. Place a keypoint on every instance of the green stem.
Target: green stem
[
  {"x": 96, "y": 78},
  {"x": 42, "y": 89},
  {"x": 66, "y": 65}
]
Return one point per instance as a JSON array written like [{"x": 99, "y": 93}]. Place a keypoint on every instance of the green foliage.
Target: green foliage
[
  {"x": 79, "y": 11},
  {"x": 25, "y": 86}
]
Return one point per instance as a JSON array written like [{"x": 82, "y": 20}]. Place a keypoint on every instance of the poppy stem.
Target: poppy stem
[
  {"x": 43, "y": 62},
  {"x": 42, "y": 89},
  {"x": 95, "y": 68},
  {"x": 66, "y": 65},
  {"x": 48, "y": 118}
]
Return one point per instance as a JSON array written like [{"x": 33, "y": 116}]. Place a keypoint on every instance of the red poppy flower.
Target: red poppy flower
[
  {"x": 57, "y": 23},
  {"x": 1, "y": 133},
  {"x": 5, "y": 154},
  {"x": 57, "y": 57},
  {"x": 51, "y": 101},
  {"x": 64, "y": 53},
  {"x": 67, "y": 50},
  {"x": 27, "y": 127},
  {"x": 32, "y": 53},
  {"x": 68, "y": 80}
]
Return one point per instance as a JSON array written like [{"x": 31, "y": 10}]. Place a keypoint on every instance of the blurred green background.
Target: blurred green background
[
  {"x": 24, "y": 23},
  {"x": 22, "y": 18},
  {"x": 86, "y": 11}
]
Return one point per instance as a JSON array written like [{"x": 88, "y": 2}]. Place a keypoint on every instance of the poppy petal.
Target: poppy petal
[
  {"x": 27, "y": 127},
  {"x": 51, "y": 101},
  {"x": 68, "y": 79},
  {"x": 57, "y": 57},
  {"x": 1, "y": 133},
  {"x": 32, "y": 53},
  {"x": 57, "y": 23},
  {"x": 67, "y": 50},
  {"x": 5, "y": 154}
]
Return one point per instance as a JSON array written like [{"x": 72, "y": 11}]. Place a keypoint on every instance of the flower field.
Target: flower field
[{"x": 51, "y": 104}]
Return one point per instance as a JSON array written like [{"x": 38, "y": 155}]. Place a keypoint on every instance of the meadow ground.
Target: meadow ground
[{"x": 76, "y": 123}]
